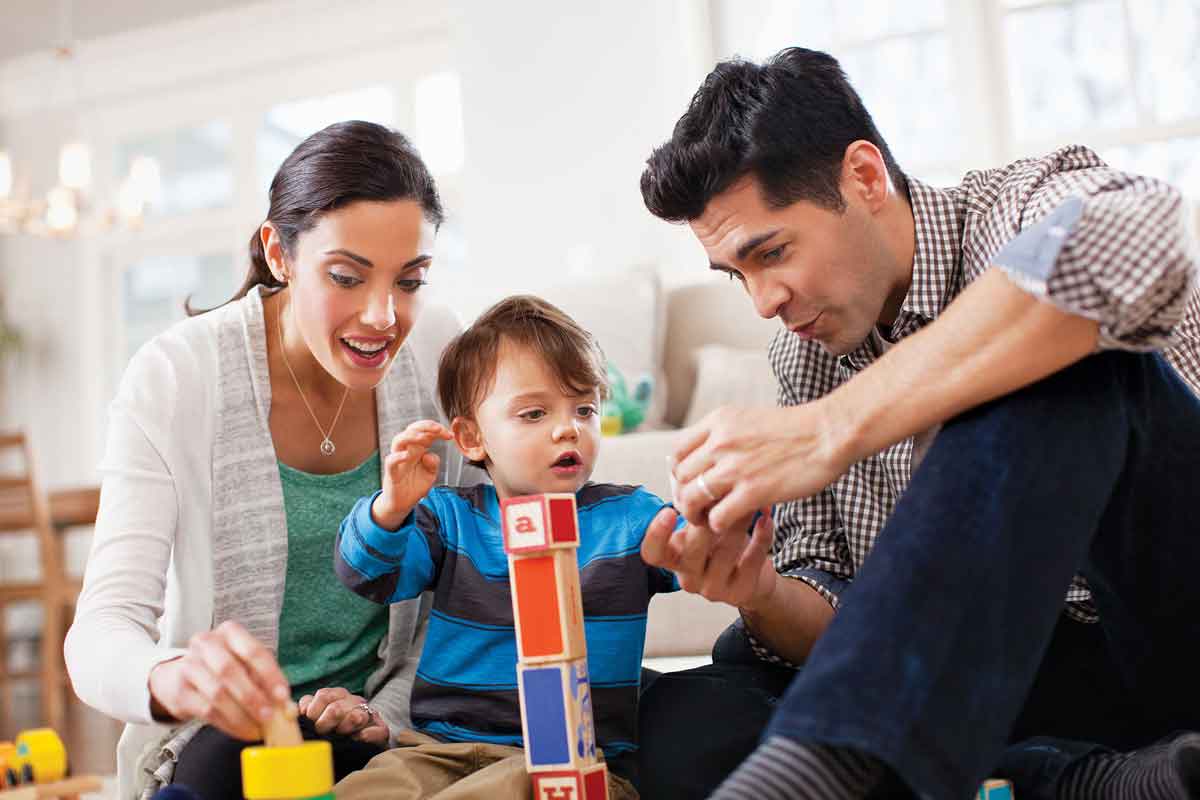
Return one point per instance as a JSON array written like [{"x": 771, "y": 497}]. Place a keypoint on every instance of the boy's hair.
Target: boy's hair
[
  {"x": 786, "y": 122},
  {"x": 468, "y": 365}
]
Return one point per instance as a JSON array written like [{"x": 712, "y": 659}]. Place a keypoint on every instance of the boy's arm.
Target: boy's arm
[{"x": 383, "y": 565}]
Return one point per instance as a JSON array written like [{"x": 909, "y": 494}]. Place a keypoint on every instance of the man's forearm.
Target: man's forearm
[
  {"x": 992, "y": 340},
  {"x": 790, "y": 620}
]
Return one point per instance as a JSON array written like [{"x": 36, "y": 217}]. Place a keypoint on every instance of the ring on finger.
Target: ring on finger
[
  {"x": 704, "y": 487},
  {"x": 369, "y": 711}
]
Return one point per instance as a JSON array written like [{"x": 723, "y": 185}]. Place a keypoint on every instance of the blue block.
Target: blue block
[{"x": 546, "y": 726}]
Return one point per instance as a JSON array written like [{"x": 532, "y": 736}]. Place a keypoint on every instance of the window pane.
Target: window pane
[
  {"x": 889, "y": 75},
  {"x": 288, "y": 124},
  {"x": 1167, "y": 56},
  {"x": 1068, "y": 68},
  {"x": 439, "y": 134},
  {"x": 757, "y": 29},
  {"x": 1176, "y": 161},
  {"x": 870, "y": 19},
  {"x": 155, "y": 289},
  {"x": 194, "y": 168}
]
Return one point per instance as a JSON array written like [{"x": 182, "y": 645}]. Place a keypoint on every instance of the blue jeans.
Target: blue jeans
[{"x": 941, "y": 656}]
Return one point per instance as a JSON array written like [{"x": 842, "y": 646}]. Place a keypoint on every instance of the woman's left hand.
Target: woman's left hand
[{"x": 335, "y": 710}]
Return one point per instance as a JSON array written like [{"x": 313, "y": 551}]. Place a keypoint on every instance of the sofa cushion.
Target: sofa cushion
[
  {"x": 626, "y": 313},
  {"x": 730, "y": 376}
]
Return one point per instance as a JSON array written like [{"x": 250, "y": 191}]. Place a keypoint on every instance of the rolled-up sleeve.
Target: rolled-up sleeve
[{"x": 1114, "y": 248}]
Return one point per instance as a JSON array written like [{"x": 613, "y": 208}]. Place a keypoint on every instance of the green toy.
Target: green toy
[{"x": 624, "y": 410}]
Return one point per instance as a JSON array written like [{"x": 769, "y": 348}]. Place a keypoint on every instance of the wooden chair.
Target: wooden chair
[{"x": 24, "y": 509}]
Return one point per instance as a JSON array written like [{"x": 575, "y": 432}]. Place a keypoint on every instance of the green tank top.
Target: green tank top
[{"x": 328, "y": 636}]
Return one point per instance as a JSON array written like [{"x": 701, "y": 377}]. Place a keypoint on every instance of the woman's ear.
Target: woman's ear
[
  {"x": 273, "y": 250},
  {"x": 469, "y": 438}
]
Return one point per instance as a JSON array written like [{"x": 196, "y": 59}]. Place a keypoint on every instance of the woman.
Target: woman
[{"x": 238, "y": 440}]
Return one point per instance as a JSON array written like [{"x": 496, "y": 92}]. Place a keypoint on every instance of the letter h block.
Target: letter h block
[
  {"x": 590, "y": 783},
  {"x": 556, "y": 715},
  {"x": 539, "y": 522}
]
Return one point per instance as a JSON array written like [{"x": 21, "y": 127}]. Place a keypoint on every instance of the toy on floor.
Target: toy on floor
[
  {"x": 286, "y": 767},
  {"x": 35, "y": 765},
  {"x": 541, "y": 535}
]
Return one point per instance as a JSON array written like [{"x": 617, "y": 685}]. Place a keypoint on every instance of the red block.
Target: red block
[
  {"x": 590, "y": 783},
  {"x": 539, "y": 522}
]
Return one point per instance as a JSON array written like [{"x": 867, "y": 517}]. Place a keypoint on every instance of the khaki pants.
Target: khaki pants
[{"x": 420, "y": 768}]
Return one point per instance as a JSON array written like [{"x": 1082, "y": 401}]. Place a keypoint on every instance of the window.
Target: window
[
  {"x": 191, "y": 169},
  {"x": 155, "y": 288},
  {"x": 976, "y": 83}
]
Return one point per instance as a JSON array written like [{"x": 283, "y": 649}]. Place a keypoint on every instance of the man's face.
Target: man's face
[{"x": 826, "y": 274}]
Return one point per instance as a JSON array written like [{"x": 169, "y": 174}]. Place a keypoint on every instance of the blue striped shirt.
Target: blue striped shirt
[{"x": 466, "y": 685}]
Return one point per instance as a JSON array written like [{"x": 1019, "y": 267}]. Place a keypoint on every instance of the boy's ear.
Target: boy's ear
[{"x": 469, "y": 438}]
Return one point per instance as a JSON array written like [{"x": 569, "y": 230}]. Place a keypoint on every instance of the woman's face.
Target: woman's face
[{"x": 355, "y": 281}]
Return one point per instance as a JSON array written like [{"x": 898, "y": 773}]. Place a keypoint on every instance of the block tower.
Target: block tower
[{"x": 541, "y": 536}]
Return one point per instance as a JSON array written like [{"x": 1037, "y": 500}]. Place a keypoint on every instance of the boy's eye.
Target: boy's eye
[
  {"x": 533, "y": 414},
  {"x": 347, "y": 281},
  {"x": 587, "y": 411}
]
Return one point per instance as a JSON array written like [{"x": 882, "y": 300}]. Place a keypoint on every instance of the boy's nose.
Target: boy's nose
[{"x": 566, "y": 430}]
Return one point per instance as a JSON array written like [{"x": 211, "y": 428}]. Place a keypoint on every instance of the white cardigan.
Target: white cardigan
[{"x": 190, "y": 423}]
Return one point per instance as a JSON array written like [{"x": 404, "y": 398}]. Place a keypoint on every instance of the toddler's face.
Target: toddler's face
[{"x": 536, "y": 437}]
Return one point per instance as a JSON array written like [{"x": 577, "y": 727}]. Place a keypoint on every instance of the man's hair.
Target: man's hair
[
  {"x": 468, "y": 366},
  {"x": 786, "y": 122}
]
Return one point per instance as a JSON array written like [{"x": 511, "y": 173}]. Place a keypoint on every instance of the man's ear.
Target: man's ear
[
  {"x": 865, "y": 174},
  {"x": 469, "y": 438}
]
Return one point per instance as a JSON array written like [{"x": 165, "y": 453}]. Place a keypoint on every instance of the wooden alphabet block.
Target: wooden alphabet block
[
  {"x": 539, "y": 522},
  {"x": 993, "y": 789},
  {"x": 547, "y": 606},
  {"x": 556, "y": 715},
  {"x": 589, "y": 783}
]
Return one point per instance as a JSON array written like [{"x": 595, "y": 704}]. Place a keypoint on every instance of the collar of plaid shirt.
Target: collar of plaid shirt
[{"x": 938, "y": 217}]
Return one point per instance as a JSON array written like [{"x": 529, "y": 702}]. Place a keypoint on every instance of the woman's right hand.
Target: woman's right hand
[
  {"x": 409, "y": 472},
  {"x": 226, "y": 678}
]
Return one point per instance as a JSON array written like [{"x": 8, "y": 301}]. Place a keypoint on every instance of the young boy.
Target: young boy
[{"x": 522, "y": 386}]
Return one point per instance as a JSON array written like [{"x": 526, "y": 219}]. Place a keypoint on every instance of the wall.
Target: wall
[{"x": 561, "y": 111}]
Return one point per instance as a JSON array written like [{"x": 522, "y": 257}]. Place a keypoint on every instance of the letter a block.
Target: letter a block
[
  {"x": 993, "y": 789},
  {"x": 539, "y": 522},
  {"x": 585, "y": 784},
  {"x": 556, "y": 715},
  {"x": 547, "y": 607}
]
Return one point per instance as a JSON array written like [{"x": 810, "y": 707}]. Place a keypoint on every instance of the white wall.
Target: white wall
[{"x": 561, "y": 111}]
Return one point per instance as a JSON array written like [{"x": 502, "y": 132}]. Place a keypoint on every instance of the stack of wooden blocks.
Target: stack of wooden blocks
[{"x": 541, "y": 536}]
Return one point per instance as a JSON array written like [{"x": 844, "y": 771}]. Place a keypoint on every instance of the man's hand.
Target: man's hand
[
  {"x": 730, "y": 568},
  {"x": 733, "y": 462},
  {"x": 226, "y": 678},
  {"x": 409, "y": 472},
  {"x": 334, "y": 710}
]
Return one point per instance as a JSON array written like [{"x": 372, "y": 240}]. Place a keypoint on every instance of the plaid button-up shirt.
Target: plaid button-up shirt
[{"x": 1089, "y": 239}]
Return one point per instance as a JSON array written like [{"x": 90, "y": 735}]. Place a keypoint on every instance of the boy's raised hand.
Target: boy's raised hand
[{"x": 409, "y": 471}]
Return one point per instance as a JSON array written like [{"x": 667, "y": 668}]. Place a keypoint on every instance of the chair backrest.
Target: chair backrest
[{"x": 23, "y": 506}]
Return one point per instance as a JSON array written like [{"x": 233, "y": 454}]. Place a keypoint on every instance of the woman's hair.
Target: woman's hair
[
  {"x": 336, "y": 166},
  {"x": 468, "y": 366},
  {"x": 786, "y": 122}
]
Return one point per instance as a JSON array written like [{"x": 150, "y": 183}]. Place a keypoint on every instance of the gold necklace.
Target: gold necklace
[{"x": 327, "y": 447}]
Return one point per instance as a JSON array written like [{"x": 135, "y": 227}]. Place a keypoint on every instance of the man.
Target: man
[{"x": 1031, "y": 340}]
